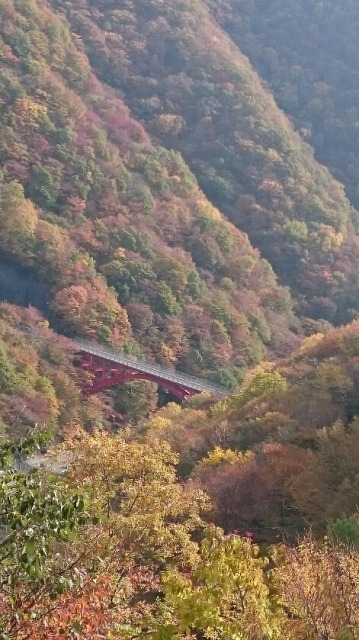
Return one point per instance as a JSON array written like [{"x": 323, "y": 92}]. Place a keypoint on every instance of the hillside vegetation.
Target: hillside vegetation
[
  {"x": 39, "y": 386},
  {"x": 282, "y": 453},
  {"x": 101, "y": 212},
  {"x": 196, "y": 92},
  {"x": 153, "y": 197},
  {"x": 119, "y": 548},
  {"x": 116, "y": 226},
  {"x": 308, "y": 54}
]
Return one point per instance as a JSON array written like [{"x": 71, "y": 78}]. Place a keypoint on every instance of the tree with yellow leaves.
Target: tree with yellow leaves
[
  {"x": 149, "y": 516},
  {"x": 318, "y": 585},
  {"x": 227, "y": 596}
]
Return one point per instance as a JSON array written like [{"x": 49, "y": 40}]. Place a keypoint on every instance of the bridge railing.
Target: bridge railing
[{"x": 165, "y": 374}]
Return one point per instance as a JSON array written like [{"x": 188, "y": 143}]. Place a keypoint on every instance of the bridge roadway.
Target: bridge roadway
[{"x": 155, "y": 371}]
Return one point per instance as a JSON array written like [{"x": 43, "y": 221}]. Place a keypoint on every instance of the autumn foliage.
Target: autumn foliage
[
  {"x": 154, "y": 198},
  {"x": 114, "y": 226}
]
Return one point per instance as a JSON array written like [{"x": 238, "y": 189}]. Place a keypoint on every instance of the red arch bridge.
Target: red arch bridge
[{"x": 110, "y": 368}]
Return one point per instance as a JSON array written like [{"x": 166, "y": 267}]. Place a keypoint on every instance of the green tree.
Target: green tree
[
  {"x": 37, "y": 518},
  {"x": 9, "y": 381},
  {"x": 226, "y": 596},
  {"x": 137, "y": 400}
]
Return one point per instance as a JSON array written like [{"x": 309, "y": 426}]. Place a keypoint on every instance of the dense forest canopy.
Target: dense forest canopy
[
  {"x": 307, "y": 52},
  {"x": 196, "y": 92},
  {"x": 116, "y": 225},
  {"x": 164, "y": 194},
  {"x": 141, "y": 554}
]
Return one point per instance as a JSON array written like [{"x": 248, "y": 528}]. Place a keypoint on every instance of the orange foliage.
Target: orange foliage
[{"x": 86, "y": 613}]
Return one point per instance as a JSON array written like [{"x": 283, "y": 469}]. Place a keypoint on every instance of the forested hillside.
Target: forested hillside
[
  {"x": 115, "y": 225},
  {"x": 133, "y": 520},
  {"x": 100, "y": 211},
  {"x": 196, "y": 92},
  {"x": 282, "y": 453},
  {"x": 308, "y": 53},
  {"x": 39, "y": 385},
  {"x": 154, "y": 197}
]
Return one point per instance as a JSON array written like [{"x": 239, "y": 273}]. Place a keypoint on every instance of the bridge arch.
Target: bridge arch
[{"x": 109, "y": 369}]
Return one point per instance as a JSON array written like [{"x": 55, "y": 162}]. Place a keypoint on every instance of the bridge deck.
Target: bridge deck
[{"x": 162, "y": 373}]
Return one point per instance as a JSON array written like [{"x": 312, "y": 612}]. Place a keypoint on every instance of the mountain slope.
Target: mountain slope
[
  {"x": 308, "y": 53},
  {"x": 115, "y": 226},
  {"x": 281, "y": 453},
  {"x": 196, "y": 92},
  {"x": 37, "y": 379}
]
